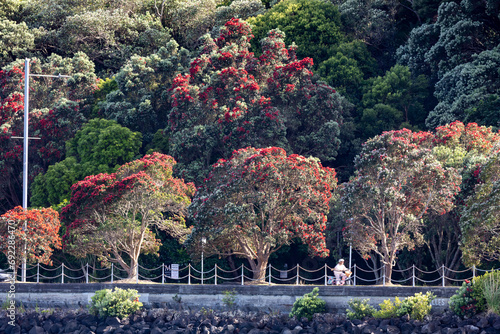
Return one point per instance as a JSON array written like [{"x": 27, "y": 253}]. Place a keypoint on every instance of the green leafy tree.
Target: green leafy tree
[
  {"x": 230, "y": 99},
  {"x": 479, "y": 221},
  {"x": 140, "y": 102},
  {"x": 469, "y": 91},
  {"x": 397, "y": 181},
  {"x": 111, "y": 215},
  {"x": 17, "y": 40},
  {"x": 110, "y": 37},
  {"x": 313, "y": 25},
  {"x": 393, "y": 101},
  {"x": 101, "y": 146},
  {"x": 260, "y": 200}
]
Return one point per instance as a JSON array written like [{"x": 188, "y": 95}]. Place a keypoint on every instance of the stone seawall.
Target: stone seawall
[{"x": 247, "y": 297}]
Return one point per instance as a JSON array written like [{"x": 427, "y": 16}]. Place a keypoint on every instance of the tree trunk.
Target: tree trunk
[
  {"x": 259, "y": 267},
  {"x": 133, "y": 269}
]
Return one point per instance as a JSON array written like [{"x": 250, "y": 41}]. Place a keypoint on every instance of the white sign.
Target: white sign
[{"x": 174, "y": 274}]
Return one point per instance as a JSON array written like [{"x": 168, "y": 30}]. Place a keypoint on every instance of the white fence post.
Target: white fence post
[
  {"x": 87, "y": 274},
  {"x": 242, "y": 275},
  {"x": 163, "y": 273},
  {"x": 442, "y": 268},
  {"x": 38, "y": 272},
  {"x": 383, "y": 275},
  {"x": 413, "y": 275},
  {"x": 269, "y": 274},
  {"x": 189, "y": 273},
  {"x": 326, "y": 277},
  {"x": 112, "y": 272},
  {"x": 137, "y": 273},
  {"x": 297, "y": 281},
  {"x": 62, "y": 272},
  {"x": 215, "y": 271},
  {"x": 354, "y": 275},
  {"x": 473, "y": 271}
]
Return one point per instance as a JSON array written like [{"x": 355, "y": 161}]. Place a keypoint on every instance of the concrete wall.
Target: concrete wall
[{"x": 248, "y": 298}]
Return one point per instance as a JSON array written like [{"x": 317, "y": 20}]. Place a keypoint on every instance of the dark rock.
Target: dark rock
[
  {"x": 431, "y": 327},
  {"x": 88, "y": 320},
  {"x": 113, "y": 321},
  {"x": 71, "y": 326},
  {"x": 471, "y": 329},
  {"x": 27, "y": 324},
  {"x": 406, "y": 328},
  {"x": 496, "y": 324},
  {"x": 392, "y": 330},
  {"x": 356, "y": 322},
  {"x": 46, "y": 325},
  {"x": 370, "y": 329},
  {"x": 483, "y": 323},
  {"x": 157, "y": 330},
  {"x": 55, "y": 328},
  {"x": 36, "y": 330}
]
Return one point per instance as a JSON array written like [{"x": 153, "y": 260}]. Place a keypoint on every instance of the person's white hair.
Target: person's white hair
[{"x": 341, "y": 260}]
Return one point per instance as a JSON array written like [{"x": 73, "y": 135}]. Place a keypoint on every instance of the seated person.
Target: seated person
[{"x": 339, "y": 271}]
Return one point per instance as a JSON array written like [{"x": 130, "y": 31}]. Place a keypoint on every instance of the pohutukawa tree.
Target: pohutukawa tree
[
  {"x": 397, "y": 181},
  {"x": 464, "y": 147},
  {"x": 231, "y": 99},
  {"x": 479, "y": 222},
  {"x": 260, "y": 200},
  {"x": 112, "y": 215},
  {"x": 40, "y": 236}
]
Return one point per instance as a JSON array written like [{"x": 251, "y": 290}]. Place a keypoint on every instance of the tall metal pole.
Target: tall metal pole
[{"x": 25, "y": 155}]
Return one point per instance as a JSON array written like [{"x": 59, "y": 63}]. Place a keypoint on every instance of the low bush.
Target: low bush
[
  {"x": 308, "y": 305},
  {"x": 388, "y": 309},
  {"x": 359, "y": 309},
  {"x": 118, "y": 303},
  {"x": 417, "y": 306},
  {"x": 469, "y": 299}
]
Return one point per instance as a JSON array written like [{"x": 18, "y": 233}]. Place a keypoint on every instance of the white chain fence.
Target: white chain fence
[{"x": 189, "y": 274}]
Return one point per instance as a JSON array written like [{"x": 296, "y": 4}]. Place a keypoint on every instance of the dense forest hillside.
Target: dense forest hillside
[{"x": 365, "y": 88}]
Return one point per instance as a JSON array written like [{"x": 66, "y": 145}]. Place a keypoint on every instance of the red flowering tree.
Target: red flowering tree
[
  {"x": 111, "y": 215},
  {"x": 259, "y": 200},
  {"x": 40, "y": 236},
  {"x": 396, "y": 183},
  {"x": 57, "y": 111},
  {"x": 231, "y": 99}
]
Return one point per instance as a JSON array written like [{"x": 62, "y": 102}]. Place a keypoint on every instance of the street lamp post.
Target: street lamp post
[
  {"x": 27, "y": 76},
  {"x": 203, "y": 242}
]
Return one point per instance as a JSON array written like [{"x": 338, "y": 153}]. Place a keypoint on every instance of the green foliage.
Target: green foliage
[
  {"x": 388, "y": 309},
  {"x": 110, "y": 37},
  {"x": 117, "y": 303},
  {"x": 140, "y": 102},
  {"x": 308, "y": 305},
  {"x": 359, "y": 309},
  {"x": 469, "y": 91},
  {"x": 393, "y": 101},
  {"x": 229, "y": 298},
  {"x": 491, "y": 289},
  {"x": 314, "y": 25},
  {"x": 17, "y": 40},
  {"x": 417, "y": 306},
  {"x": 99, "y": 147},
  {"x": 469, "y": 299},
  {"x": 479, "y": 220}
]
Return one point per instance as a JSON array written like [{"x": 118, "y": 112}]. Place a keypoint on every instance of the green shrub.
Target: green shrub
[
  {"x": 491, "y": 290},
  {"x": 308, "y": 305},
  {"x": 229, "y": 298},
  {"x": 118, "y": 303},
  {"x": 359, "y": 309},
  {"x": 388, "y": 309},
  {"x": 469, "y": 299},
  {"x": 417, "y": 306}
]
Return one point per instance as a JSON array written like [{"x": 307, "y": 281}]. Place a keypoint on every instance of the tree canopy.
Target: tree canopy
[
  {"x": 112, "y": 215},
  {"x": 260, "y": 200}
]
